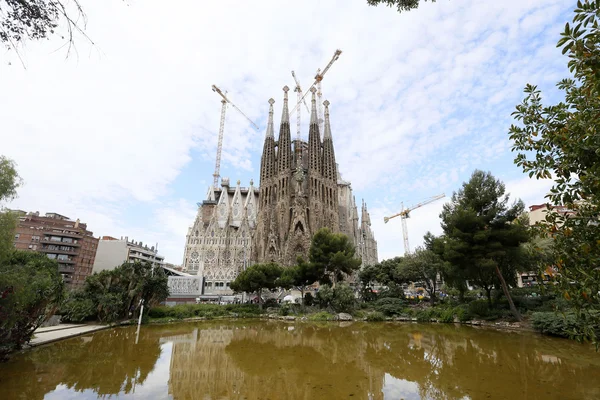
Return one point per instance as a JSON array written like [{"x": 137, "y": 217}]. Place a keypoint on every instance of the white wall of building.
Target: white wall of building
[{"x": 110, "y": 254}]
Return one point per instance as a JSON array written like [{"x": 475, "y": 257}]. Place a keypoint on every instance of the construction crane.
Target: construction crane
[
  {"x": 319, "y": 76},
  {"x": 405, "y": 213},
  {"x": 300, "y": 99},
  {"x": 224, "y": 102}
]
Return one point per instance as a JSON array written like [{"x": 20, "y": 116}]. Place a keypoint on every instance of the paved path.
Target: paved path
[{"x": 51, "y": 334}]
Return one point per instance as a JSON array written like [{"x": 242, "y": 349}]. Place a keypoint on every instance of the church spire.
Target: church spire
[
  {"x": 327, "y": 133},
  {"x": 329, "y": 164},
  {"x": 284, "y": 149},
  {"x": 268, "y": 159},
  {"x": 270, "y": 120},
  {"x": 314, "y": 139}
]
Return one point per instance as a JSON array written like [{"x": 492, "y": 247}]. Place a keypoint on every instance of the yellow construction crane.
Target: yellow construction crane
[
  {"x": 224, "y": 102},
  {"x": 319, "y": 76},
  {"x": 405, "y": 213}
]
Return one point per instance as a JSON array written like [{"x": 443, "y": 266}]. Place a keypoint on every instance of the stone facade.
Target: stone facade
[
  {"x": 301, "y": 191},
  {"x": 218, "y": 244}
]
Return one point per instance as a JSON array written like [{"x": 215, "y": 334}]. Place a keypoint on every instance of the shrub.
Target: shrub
[
  {"x": 343, "y": 299},
  {"x": 462, "y": 313},
  {"x": 556, "y": 324},
  {"x": 77, "y": 308},
  {"x": 324, "y": 296},
  {"x": 158, "y": 312},
  {"x": 479, "y": 308},
  {"x": 309, "y": 299},
  {"x": 447, "y": 315},
  {"x": 424, "y": 315},
  {"x": 375, "y": 316},
  {"x": 321, "y": 316},
  {"x": 390, "y": 306}
]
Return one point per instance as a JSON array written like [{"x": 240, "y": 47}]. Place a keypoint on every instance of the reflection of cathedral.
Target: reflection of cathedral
[{"x": 301, "y": 191}]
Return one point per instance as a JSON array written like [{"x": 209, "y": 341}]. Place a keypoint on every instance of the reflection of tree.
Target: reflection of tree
[
  {"x": 107, "y": 363},
  {"x": 258, "y": 360}
]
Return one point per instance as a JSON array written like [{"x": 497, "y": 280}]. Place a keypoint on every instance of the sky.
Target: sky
[{"x": 122, "y": 132}]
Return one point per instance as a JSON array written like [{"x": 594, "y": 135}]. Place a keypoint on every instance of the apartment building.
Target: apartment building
[
  {"x": 113, "y": 252},
  {"x": 60, "y": 238}
]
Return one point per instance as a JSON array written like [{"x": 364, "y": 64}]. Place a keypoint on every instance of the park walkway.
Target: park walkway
[{"x": 51, "y": 334}]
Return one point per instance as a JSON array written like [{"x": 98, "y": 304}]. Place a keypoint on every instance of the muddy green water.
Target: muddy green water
[{"x": 276, "y": 360}]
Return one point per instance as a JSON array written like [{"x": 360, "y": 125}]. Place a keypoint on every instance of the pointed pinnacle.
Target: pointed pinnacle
[
  {"x": 285, "y": 117},
  {"x": 270, "y": 132}
]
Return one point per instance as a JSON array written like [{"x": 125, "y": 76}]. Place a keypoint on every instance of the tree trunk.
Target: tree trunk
[
  {"x": 488, "y": 293},
  {"x": 259, "y": 292},
  {"x": 513, "y": 309},
  {"x": 302, "y": 296}
]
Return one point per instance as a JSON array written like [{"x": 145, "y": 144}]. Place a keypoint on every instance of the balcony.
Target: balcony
[
  {"x": 63, "y": 234},
  {"x": 66, "y": 269},
  {"x": 57, "y": 251},
  {"x": 64, "y": 261},
  {"x": 46, "y": 240}
]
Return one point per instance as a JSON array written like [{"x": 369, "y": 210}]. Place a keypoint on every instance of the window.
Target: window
[
  {"x": 63, "y": 257},
  {"x": 67, "y": 240},
  {"x": 51, "y": 256},
  {"x": 35, "y": 238},
  {"x": 18, "y": 235},
  {"x": 55, "y": 238}
]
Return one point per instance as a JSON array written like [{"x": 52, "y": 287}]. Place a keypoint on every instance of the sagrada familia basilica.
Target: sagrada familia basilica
[{"x": 300, "y": 191}]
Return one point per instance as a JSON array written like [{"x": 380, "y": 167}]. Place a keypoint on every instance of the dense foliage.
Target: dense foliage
[
  {"x": 562, "y": 142},
  {"x": 333, "y": 256},
  {"x": 258, "y": 278},
  {"x": 113, "y": 294},
  {"x": 423, "y": 266},
  {"x": 401, "y": 5},
  {"x": 30, "y": 290}
]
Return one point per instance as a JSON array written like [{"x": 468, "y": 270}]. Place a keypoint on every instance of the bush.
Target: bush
[
  {"x": 375, "y": 316},
  {"x": 554, "y": 324},
  {"x": 447, "y": 315},
  {"x": 479, "y": 308},
  {"x": 390, "y": 306},
  {"x": 462, "y": 313},
  {"x": 343, "y": 299},
  {"x": 77, "y": 308},
  {"x": 425, "y": 315},
  {"x": 324, "y": 296},
  {"x": 321, "y": 316},
  {"x": 158, "y": 312}
]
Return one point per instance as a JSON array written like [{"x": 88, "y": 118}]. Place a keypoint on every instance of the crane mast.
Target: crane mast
[
  {"x": 224, "y": 102},
  {"x": 298, "y": 90},
  {"x": 405, "y": 213}
]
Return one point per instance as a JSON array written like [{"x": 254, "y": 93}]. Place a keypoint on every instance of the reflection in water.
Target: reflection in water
[{"x": 272, "y": 360}]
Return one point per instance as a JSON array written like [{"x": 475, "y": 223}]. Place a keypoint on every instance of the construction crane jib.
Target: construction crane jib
[
  {"x": 224, "y": 102},
  {"x": 319, "y": 76},
  {"x": 405, "y": 213}
]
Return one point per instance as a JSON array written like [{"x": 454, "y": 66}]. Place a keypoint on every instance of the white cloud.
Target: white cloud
[{"x": 418, "y": 100}]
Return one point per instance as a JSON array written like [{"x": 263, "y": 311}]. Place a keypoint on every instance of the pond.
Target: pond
[{"x": 252, "y": 360}]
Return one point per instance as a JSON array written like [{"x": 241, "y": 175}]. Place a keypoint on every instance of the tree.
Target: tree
[
  {"x": 423, "y": 266},
  {"x": 10, "y": 180},
  {"x": 30, "y": 291},
  {"x": 562, "y": 142},
  {"x": 111, "y": 294},
  {"x": 38, "y": 19},
  {"x": 300, "y": 276},
  {"x": 401, "y": 5},
  {"x": 482, "y": 234},
  {"x": 333, "y": 255},
  {"x": 384, "y": 273},
  {"x": 257, "y": 278}
]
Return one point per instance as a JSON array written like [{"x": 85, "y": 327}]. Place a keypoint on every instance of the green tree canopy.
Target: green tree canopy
[
  {"x": 333, "y": 255},
  {"x": 257, "y": 278},
  {"x": 10, "y": 181},
  {"x": 401, "y": 5},
  {"x": 482, "y": 234},
  {"x": 111, "y": 294},
  {"x": 300, "y": 276},
  {"x": 423, "y": 266},
  {"x": 562, "y": 142},
  {"x": 384, "y": 273},
  {"x": 30, "y": 290}
]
